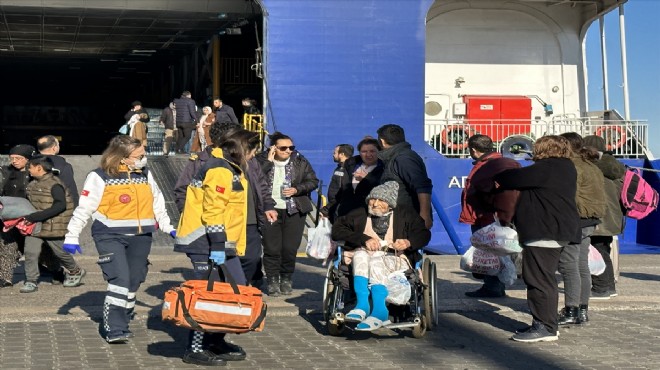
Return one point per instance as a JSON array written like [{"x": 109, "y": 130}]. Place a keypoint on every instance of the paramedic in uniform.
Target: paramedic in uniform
[
  {"x": 126, "y": 206},
  {"x": 213, "y": 227}
]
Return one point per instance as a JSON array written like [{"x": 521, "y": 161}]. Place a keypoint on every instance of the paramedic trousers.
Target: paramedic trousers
[
  {"x": 281, "y": 242},
  {"x": 201, "y": 270},
  {"x": 123, "y": 260},
  {"x": 33, "y": 250},
  {"x": 539, "y": 266}
]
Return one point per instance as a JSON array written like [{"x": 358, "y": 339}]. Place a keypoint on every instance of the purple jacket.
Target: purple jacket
[{"x": 256, "y": 179}]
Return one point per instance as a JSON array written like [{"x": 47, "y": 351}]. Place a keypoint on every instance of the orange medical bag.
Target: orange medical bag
[{"x": 215, "y": 307}]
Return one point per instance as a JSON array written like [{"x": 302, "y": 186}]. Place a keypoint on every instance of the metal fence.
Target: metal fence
[{"x": 626, "y": 139}]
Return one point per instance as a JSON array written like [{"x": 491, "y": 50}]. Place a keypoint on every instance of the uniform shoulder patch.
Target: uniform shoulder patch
[{"x": 193, "y": 156}]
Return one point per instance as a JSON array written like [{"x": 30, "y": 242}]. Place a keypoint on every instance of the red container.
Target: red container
[{"x": 499, "y": 116}]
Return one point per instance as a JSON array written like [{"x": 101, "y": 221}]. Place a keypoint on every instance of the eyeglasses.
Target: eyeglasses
[{"x": 284, "y": 148}]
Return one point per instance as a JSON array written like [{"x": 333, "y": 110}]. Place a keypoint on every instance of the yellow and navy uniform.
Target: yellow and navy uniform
[
  {"x": 216, "y": 208},
  {"x": 128, "y": 204}
]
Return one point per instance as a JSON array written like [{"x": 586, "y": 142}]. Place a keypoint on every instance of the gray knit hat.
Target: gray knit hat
[{"x": 387, "y": 192}]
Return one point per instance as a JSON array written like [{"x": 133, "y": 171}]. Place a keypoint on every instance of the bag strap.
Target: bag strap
[
  {"x": 227, "y": 277},
  {"x": 260, "y": 318},
  {"x": 186, "y": 314}
]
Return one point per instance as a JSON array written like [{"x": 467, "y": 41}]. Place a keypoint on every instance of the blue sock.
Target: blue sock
[
  {"x": 361, "y": 286},
  {"x": 378, "y": 295}
]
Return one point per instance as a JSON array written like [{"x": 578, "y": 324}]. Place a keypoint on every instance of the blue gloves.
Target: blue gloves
[
  {"x": 173, "y": 233},
  {"x": 218, "y": 257},
  {"x": 72, "y": 248}
]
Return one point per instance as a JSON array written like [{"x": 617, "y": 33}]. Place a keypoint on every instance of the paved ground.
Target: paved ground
[{"x": 58, "y": 328}]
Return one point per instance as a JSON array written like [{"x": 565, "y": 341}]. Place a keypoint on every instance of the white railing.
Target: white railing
[{"x": 623, "y": 138}]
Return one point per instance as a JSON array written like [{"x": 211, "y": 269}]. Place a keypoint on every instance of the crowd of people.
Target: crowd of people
[{"x": 246, "y": 209}]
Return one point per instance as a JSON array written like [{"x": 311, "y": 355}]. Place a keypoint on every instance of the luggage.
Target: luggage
[{"x": 215, "y": 307}]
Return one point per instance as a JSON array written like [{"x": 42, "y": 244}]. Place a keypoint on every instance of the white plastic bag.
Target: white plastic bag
[
  {"x": 497, "y": 239},
  {"x": 124, "y": 129},
  {"x": 596, "y": 261},
  {"x": 319, "y": 242},
  {"x": 480, "y": 262},
  {"x": 508, "y": 273},
  {"x": 398, "y": 288}
]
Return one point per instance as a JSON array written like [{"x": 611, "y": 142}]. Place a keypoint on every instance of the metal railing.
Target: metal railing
[{"x": 627, "y": 139}]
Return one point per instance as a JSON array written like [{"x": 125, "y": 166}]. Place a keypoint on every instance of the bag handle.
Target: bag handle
[
  {"x": 227, "y": 277},
  {"x": 260, "y": 318},
  {"x": 186, "y": 314}
]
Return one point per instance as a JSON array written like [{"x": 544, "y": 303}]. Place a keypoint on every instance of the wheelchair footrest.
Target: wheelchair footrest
[{"x": 402, "y": 325}]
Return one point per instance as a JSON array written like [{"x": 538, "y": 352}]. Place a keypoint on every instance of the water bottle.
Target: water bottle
[{"x": 285, "y": 185}]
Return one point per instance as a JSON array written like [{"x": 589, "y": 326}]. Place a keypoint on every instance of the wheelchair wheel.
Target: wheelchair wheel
[
  {"x": 419, "y": 330},
  {"x": 328, "y": 291},
  {"x": 335, "y": 327},
  {"x": 430, "y": 299}
]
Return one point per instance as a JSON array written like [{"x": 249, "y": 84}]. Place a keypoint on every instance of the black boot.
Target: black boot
[
  {"x": 583, "y": 317},
  {"x": 286, "y": 286},
  {"x": 568, "y": 315},
  {"x": 273, "y": 283}
]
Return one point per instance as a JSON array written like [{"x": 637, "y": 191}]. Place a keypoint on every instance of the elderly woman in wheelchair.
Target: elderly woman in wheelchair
[{"x": 384, "y": 238}]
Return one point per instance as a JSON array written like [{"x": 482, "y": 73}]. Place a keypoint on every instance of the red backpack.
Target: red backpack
[{"x": 637, "y": 196}]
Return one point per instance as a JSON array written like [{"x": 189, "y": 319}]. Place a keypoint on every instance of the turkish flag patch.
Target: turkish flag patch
[
  {"x": 84, "y": 193},
  {"x": 220, "y": 189}
]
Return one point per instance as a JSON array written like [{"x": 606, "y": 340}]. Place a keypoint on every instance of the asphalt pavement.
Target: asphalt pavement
[{"x": 58, "y": 328}]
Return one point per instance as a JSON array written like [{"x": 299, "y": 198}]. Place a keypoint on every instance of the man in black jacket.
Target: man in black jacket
[
  {"x": 339, "y": 178},
  {"x": 407, "y": 168},
  {"x": 137, "y": 109},
  {"x": 223, "y": 112},
  {"x": 49, "y": 145},
  {"x": 186, "y": 119}
]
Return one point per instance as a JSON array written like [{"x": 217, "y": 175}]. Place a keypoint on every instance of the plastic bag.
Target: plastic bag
[
  {"x": 124, "y": 129},
  {"x": 319, "y": 242},
  {"x": 508, "y": 273},
  {"x": 398, "y": 288},
  {"x": 480, "y": 262},
  {"x": 497, "y": 239},
  {"x": 596, "y": 262}
]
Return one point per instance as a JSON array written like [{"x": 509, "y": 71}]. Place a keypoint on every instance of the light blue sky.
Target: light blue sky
[{"x": 642, "y": 24}]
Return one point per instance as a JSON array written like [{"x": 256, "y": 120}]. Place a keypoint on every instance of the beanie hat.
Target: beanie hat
[
  {"x": 137, "y": 102},
  {"x": 24, "y": 150},
  {"x": 387, "y": 192},
  {"x": 595, "y": 141}
]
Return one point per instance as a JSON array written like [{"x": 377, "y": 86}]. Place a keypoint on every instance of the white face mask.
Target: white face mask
[{"x": 141, "y": 163}]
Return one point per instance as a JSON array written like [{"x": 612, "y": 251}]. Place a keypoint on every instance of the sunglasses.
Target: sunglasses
[{"x": 284, "y": 148}]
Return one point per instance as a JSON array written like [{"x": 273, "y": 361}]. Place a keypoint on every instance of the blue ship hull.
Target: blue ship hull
[{"x": 337, "y": 70}]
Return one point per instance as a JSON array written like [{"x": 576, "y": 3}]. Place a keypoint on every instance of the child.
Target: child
[{"x": 54, "y": 209}]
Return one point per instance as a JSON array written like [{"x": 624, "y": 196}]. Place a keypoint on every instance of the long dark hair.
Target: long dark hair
[{"x": 237, "y": 143}]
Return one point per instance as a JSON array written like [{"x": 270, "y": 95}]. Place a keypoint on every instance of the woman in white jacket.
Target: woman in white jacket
[{"x": 126, "y": 206}]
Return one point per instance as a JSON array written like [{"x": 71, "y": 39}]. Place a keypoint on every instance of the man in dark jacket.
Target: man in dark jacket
[
  {"x": 339, "y": 178},
  {"x": 407, "y": 168},
  {"x": 49, "y": 146},
  {"x": 223, "y": 112},
  {"x": 137, "y": 109},
  {"x": 480, "y": 202},
  {"x": 186, "y": 119},
  {"x": 167, "y": 119}
]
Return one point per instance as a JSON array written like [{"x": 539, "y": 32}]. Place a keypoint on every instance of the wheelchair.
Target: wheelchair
[{"x": 420, "y": 313}]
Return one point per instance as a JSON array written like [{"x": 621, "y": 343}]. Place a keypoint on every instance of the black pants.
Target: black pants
[
  {"x": 281, "y": 242},
  {"x": 251, "y": 261},
  {"x": 185, "y": 131},
  {"x": 604, "y": 282},
  {"x": 539, "y": 267}
]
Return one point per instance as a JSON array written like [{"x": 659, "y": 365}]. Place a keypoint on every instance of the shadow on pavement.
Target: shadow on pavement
[
  {"x": 640, "y": 276},
  {"x": 177, "y": 346}
]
